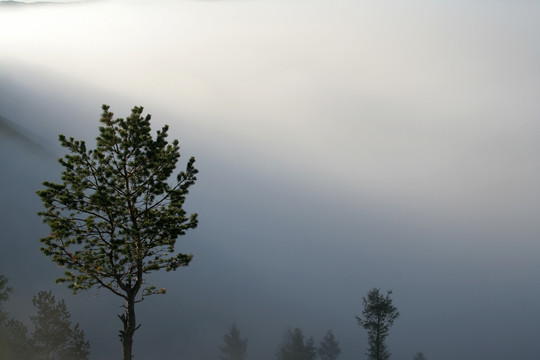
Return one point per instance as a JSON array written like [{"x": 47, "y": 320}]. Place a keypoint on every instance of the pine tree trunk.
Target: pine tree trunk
[{"x": 126, "y": 335}]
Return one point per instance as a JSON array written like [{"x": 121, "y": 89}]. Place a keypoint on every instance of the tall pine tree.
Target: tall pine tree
[
  {"x": 116, "y": 216},
  {"x": 377, "y": 317}
]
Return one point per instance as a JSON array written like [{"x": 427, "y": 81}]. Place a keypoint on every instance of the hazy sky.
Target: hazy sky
[{"x": 343, "y": 145}]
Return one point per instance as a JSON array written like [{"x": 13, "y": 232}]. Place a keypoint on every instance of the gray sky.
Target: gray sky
[{"x": 342, "y": 145}]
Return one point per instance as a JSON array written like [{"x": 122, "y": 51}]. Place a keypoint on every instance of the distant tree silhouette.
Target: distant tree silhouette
[
  {"x": 54, "y": 337},
  {"x": 419, "y": 356},
  {"x": 378, "y": 316},
  {"x": 235, "y": 347},
  {"x": 294, "y": 347},
  {"x": 14, "y": 341},
  {"x": 116, "y": 216},
  {"x": 328, "y": 348},
  {"x": 16, "y": 344},
  {"x": 4, "y": 296},
  {"x": 310, "y": 349}
]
